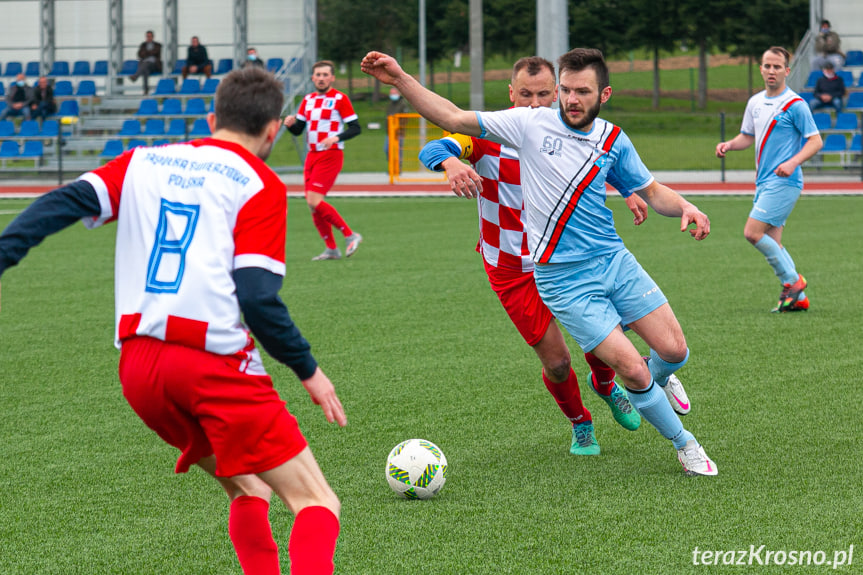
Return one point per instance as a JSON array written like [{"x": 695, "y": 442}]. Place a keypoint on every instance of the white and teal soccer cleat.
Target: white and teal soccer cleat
[{"x": 618, "y": 402}]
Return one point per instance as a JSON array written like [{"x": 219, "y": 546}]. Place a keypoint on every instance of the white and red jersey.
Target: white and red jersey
[
  {"x": 325, "y": 115},
  {"x": 502, "y": 240},
  {"x": 187, "y": 215}
]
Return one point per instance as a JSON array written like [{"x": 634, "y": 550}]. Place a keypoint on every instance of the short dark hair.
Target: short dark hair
[
  {"x": 533, "y": 65},
  {"x": 148, "y": 32},
  {"x": 579, "y": 59},
  {"x": 248, "y": 99},
  {"x": 827, "y": 65},
  {"x": 825, "y": 22},
  {"x": 780, "y": 51},
  {"x": 322, "y": 63}
]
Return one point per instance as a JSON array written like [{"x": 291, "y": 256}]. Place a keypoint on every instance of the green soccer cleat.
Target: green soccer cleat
[
  {"x": 621, "y": 408},
  {"x": 584, "y": 439}
]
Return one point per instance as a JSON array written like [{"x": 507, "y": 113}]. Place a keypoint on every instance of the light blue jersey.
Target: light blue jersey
[{"x": 780, "y": 125}]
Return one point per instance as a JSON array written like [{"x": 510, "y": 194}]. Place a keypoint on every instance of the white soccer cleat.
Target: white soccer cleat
[
  {"x": 352, "y": 242},
  {"x": 694, "y": 460},
  {"x": 676, "y": 395},
  {"x": 328, "y": 254}
]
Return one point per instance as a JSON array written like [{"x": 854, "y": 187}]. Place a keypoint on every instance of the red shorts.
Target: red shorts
[
  {"x": 321, "y": 170},
  {"x": 201, "y": 404},
  {"x": 520, "y": 298}
]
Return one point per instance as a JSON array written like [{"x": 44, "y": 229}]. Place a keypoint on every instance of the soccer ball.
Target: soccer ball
[{"x": 416, "y": 469}]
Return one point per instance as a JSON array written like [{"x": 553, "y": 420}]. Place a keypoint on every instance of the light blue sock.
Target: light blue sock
[
  {"x": 661, "y": 369},
  {"x": 653, "y": 406},
  {"x": 789, "y": 264},
  {"x": 771, "y": 250}
]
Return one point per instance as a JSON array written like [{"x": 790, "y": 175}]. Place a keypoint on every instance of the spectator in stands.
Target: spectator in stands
[
  {"x": 43, "y": 104},
  {"x": 18, "y": 99},
  {"x": 197, "y": 61},
  {"x": 827, "y": 45},
  {"x": 149, "y": 60},
  {"x": 829, "y": 89},
  {"x": 252, "y": 59}
]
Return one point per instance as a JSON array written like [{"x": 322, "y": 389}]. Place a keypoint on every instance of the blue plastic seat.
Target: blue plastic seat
[
  {"x": 148, "y": 107},
  {"x": 112, "y": 149},
  {"x": 50, "y": 129},
  {"x": 129, "y": 68},
  {"x": 822, "y": 120},
  {"x": 210, "y": 85},
  {"x": 86, "y": 88},
  {"x": 855, "y": 101},
  {"x": 178, "y": 67},
  {"x": 813, "y": 77},
  {"x": 275, "y": 64},
  {"x": 834, "y": 143},
  {"x": 165, "y": 86},
  {"x": 225, "y": 65},
  {"x": 9, "y": 149},
  {"x": 154, "y": 127},
  {"x": 7, "y": 128},
  {"x": 854, "y": 58},
  {"x": 161, "y": 142},
  {"x": 176, "y": 128},
  {"x": 100, "y": 68},
  {"x": 136, "y": 143},
  {"x": 846, "y": 76},
  {"x": 33, "y": 149},
  {"x": 130, "y": 127},
  {"x": 13, "y": 69},
  {"x": 172, "y": 107},
  {"x": 846, "y": 121},
  {"x": 190, "y": 86},
  {"x": 200, "y": 128},
  {"x": 28, "y": 129},
  {"x": 69, "y": 108},
  {"x": 855, "y": 144},
  {"x": 59, "y": 68},
  {"x": 81, "y": 68},
  {"x": 2, "y": 89},
  {"x": 63, "y": 88},
  {"x": 196, "y": 106},
  {"x": 33, "y": 69}
]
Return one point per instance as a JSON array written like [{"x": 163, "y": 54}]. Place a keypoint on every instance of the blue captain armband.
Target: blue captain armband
[{"x": 435, "y": 152}]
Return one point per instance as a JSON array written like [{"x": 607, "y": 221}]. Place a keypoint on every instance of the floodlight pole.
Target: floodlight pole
[{"x": 477, "y": 64}]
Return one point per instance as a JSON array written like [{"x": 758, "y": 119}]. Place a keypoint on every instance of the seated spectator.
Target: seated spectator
[
  {"x": 43, "y": 104},
  {"x": 252, "y": 59},
  {"x": 18, "y": 99},
  {"x": 149, "y": 60},
  {"x": 197, "y": 61},
  {"x": 827, "y": 48},
  {"x": 829, "y": 89}
]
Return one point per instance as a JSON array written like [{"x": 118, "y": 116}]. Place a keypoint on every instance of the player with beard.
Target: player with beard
[
  {"x": 585, "y": 275},
  {"x": 332, "y": 120}
]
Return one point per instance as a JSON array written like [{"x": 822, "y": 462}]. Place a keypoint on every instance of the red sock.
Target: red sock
[
  {"x": 325, "y": 230},
  {"x": 313, "y": 541},
  {"x": 568, "y": 398},
  {"x": 332, "y": 217},
  {"x": 249, "y": 528},
  {"x": 603, "y": 376}
]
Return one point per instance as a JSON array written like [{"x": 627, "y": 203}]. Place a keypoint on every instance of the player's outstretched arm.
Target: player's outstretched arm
[
  {"x": 667, "y": 202},
  {"x": 445, "y": 155},
  {"x": 323, "y": 393},
  {"x": 434, "y": 108}
]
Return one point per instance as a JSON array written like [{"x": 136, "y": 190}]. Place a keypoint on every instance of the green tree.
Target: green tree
[
  {"x": 655, "y": 25},
  {"x": 597, "y": 24}
]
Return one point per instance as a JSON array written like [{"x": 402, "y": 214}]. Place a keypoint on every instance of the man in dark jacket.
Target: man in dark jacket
[
  {"x": 18, "y": 99},
  {"x": 43, "y": 104},
  {"x": 149, "y": 60},
  {"x": 829, "y": 90},
  {"x": 197, "y": 61}
]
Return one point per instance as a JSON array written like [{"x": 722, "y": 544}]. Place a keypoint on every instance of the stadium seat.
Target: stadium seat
[
  {"x": 200, "y": 128},
  {"x": 63, "y": 88},
  {"x": 130, "y": 128},
  {"x": 112, "y": 149},
  {"x": 210, "y": 85},
  {"x": 822, "y": 121},
  {"x": 813, "y": 77},
  {"x": 69, "y": 108},
  {"x": 59, "y": 68},
  {"x": 81, "y": 68},
  {"x": 86, "y": 88},
  {"x": 136, "y": 143},
  {"x": 275, "y": 64},
  {"x": 161, "y": 142},
  {"x": 165, "y": 86},
  {"x": 13, "y": 69},
  {"x": 855, "y": 145},
  {"x": 7, "y": 129},
  {"x": 33, "y": 149},
  {"x": 196, "y": 107},
  {"x": 171, "y": 107},
  {"x": 834, "y": 143},
  {"x": 225, "y": 66},
  {"x": 846, "y": 121},
  {"x": 50, "y": 129},
  {"x": 190, "y": 86},
  {"x": 2, "y": 89},
  {"x": 9, "y": 149},
  {"x": 807, "y": 97},
  {"x": 154, "y": 127},
  {"x": 129, "y": 68},
  {"x": 33, "y": 69},
  {"x": 28, "y": 129},
  {"x": 846, "y": 76},
  {"x": 2, "y": 105},
  {"x": 178, "y": 67},
  {"x": 854, "y": 58},
  {"x": 100, "y": 68},
  {"x": 177, "y": 128},
  {"x": 855, "y": 102},
  {"x": 148, "y": 107}
]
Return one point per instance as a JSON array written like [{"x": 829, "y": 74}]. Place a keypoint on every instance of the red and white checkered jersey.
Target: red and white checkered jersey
[
  {"x": 325, "y": 115},
  {"x": 187, "y": 215},
  {"x": 502, "y": 239}
]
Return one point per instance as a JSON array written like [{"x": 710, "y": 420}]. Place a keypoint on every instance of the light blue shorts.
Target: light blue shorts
[
  {"x": 773, "y": 203},
  {"x": 591, "y": 297}
]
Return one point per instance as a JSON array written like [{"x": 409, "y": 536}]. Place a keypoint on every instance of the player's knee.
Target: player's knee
[
  {"x": 557, "y": 369},
  {"x": 752, "y": 236}
]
